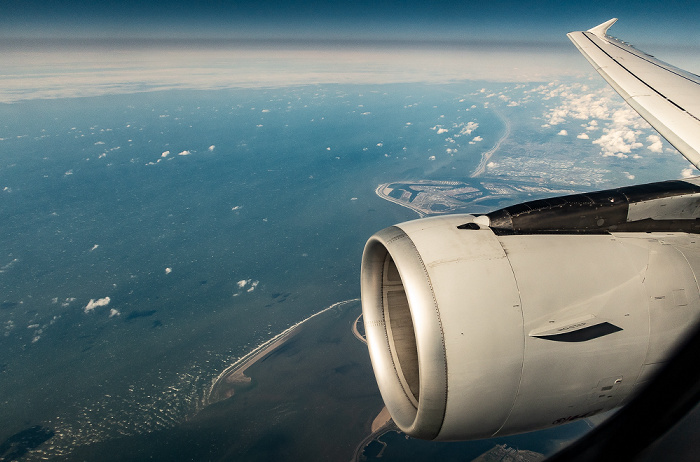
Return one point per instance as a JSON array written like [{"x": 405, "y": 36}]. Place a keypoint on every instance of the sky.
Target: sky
[
  {"x": 496, "y": 21},
  {"x": 82, "y": 48}
]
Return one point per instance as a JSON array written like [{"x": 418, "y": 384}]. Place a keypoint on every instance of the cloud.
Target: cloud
[
  {"x": 618, "y": 142},
  {"x": 253, "y": 285},
  {"x": 592, "y": 125},
  {"x": 92, "y": 304},
  {"x": 628, "y": 175},
  {"x": 114, "y": 312},
  {"x": 168, "y": 270},
  {"x": 242, "y": 283},
  {"x": 656, "y": 145},
  {"x": 688, "y": 172},
  {"x": 94, "y": 247},
  {"x": 184, "y": 153},
  {"x": 164, "y": 69},
  {"x": 442, "y": 130},
  {"x": 563, "y": 133},
  {"x": 622, "y": 125},
  {"x": 165, "y": 154},
  {"x": 577, "y": 102},
  {"x": 211, "y": 148},
  {"x": 468, "y": 128},
  {"x": 431, "y": 158}
]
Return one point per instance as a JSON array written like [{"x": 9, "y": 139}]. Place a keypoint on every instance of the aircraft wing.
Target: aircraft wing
[{"x": 667, "y": 97}]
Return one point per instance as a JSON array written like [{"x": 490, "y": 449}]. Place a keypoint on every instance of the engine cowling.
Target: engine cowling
[{"x": 476, "y": 331}]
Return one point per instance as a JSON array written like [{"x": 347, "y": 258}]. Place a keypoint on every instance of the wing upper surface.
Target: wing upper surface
[{"x": 666, "y": 96}]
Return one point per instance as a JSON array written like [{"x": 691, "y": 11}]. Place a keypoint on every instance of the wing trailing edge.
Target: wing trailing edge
[{"x": 665, "y": 96}]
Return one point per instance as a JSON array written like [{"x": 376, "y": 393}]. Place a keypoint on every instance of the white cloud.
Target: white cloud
[
  {"x": 688, "y": 172},
  {"x": 468, "y": 128},
  {"x": 253, "y": 285},
  {"x": 114, "y": 312},
  {"x": 211, "y": 148},
  {"x": 92, "y": 304},
  {"x": 168, "y": 270},
  {"x": 431, "y": 158},
  {"x": 441, "y": 131},
  {"x": 380, "y": 144},
  {"x": 622, "y": 125},
  {"x": 265, "y": 110},
  {"x": 656, "y": 145},
  {"x": 94, "y": 247},
  {"x": 576, "y": 103},
  {"x": 242, "y": 283},
  {"x": 184, "y": 153},
  {"x": 165, "y": 154},
  {"x": 563, "y": 133},
  {"x": 618, "y": 142},
  {"x": 628, "y": 175},
  {"x": 114, "y": 73}
]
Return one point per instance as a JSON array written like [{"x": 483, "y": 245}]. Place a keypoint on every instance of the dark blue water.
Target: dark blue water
[{"x": 194, "y": 251}]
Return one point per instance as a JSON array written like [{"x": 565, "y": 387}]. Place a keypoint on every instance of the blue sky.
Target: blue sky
[
  {"x": 122, "y": 46},
  {"x": 668, "y": 22}
]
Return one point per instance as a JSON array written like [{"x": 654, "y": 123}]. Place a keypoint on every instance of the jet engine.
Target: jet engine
[{"x": 530, "y": 316}]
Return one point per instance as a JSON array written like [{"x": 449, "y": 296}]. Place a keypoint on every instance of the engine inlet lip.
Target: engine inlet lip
[{"x": 426, "y": 420}]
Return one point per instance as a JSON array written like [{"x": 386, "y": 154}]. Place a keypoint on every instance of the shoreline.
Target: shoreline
[
  {"x": 235, "y": 371},
  {"x": 481, "y": 168}
]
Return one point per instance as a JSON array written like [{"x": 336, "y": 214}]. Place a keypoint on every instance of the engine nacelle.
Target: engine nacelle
[{"x": 476, "y": 330}]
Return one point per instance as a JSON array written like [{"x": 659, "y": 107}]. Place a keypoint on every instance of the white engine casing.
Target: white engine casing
[{"x": 473, "y": 334}]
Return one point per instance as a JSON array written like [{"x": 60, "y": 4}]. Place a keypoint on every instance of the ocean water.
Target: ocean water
[
  {"x": 200, "y": 223},
  {"x": 150, "y": 240}
]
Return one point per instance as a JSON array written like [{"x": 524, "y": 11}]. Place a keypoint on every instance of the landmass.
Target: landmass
[
  {"x": 503, "y": 453},
  {"x": 486, "y": 156},
  {"x": 224, "y": 385},
  {"x": 434, "y": 197}
]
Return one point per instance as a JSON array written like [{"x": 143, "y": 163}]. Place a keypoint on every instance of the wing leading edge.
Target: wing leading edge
[{"x": 667, "y": 97}]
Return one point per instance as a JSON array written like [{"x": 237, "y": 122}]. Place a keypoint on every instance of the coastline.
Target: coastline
[
  {"x": 481, "y": 168},
  {"x": 235, "y": 373}
]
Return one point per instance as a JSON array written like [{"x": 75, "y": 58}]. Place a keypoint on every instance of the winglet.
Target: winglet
[{"x": 601, "y": 29}]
